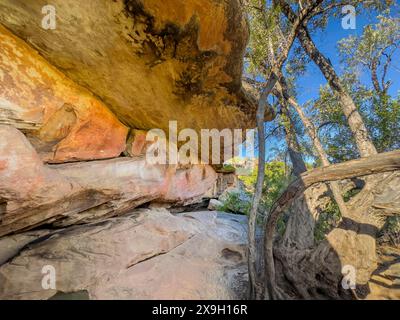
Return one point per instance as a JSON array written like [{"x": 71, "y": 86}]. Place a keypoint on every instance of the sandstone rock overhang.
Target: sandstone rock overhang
[
  {"x": 150, "y": 61},
  {"x": 33, "y": 194},
  {"x": 91, "y": 88},
  {"x": 63, "y": 121}
]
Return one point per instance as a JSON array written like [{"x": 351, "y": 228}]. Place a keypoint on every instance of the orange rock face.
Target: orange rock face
[
  {"x": 137, "y": 145},
  {"x": 150, "y": 61},
  {"x": 63, "y": 121}
]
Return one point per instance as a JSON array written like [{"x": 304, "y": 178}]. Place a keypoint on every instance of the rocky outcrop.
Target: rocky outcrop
[
  {"x": 143, "y": 255},
  {"x": 76, "y": 103},
  {"x": 64, "y": 121},
  {"x": 236, "y": 199},
  {"x": 385, "y": 281},
  {"x": 149, "y": 61},
  {"x": 33, "y": 194},
  {"x": 92, "y": 88},
  {"x": 214, "y": 204}
]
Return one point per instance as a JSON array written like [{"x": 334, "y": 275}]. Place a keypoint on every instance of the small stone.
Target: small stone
[{"x": 214, "y": 204}]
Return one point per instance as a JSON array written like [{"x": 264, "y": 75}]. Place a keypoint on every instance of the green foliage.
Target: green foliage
[
  {"x": 381, "y": 114},
  {"x": 384, "y": 123},
  {"x": 350, "y": 194},
  {"x": 235, "y": 204},
  {"x": 390, "y": 232},
  {"x": 373, "y": 51},
  {"x": 267, "y": 36},
  {"x": 227, "y": 168},
  {"x": 276, "y": 180},
  {"x": 327, "y": 220},
  {"x": 374, "y": 47},
  {"x": 370, "y": 52}
]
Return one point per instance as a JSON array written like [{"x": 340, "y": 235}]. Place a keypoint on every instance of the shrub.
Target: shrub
[
  {"x": 235, "y": 204},
  {"x": 390, "y": 232}
]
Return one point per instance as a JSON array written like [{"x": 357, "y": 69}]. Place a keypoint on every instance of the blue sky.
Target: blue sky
[{"x": 326, "y": 40}]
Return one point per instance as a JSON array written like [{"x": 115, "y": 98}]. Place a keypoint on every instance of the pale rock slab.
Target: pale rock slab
[{"x": 147, "y": 254}]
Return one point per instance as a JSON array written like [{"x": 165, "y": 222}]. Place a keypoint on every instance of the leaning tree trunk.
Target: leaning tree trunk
[
  {"x": 299, "y": 231},
  {"x": 312, "y": 132},
  {"x": 257, "y": 289},
  {"x": 317, "y": 272},
  {"x": 356, "y": 123},
  {"x": 292, "y": 143}
]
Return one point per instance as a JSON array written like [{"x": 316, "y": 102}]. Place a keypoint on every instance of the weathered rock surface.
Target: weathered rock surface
[
  {"x": 146, "y": 61},
  {"x": 142, "y": 255},
  {"x": 316, "y": 269},
  {"x": 385, "y": 281},
  {"x": 32, "y": 194},
  {"x": 136, "y": 144},
  {"x": 224, "y": 181},
  {"x": 214, "y": 204},
  {"x": 64, "y": 121},
  {"x": 149, "y": 61},
  {"x": 10, "y": 246}
]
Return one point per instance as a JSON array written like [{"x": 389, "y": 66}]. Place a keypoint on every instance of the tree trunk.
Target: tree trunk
[
  {"x": 357, "y": 233},
  {"x": 292, "y": 143},
  {"x": 255, "y": 287},
  {"x": 374, "y": 77},
  {"x": 355, "y": 121},
  {"x": 312, "y": 132}
]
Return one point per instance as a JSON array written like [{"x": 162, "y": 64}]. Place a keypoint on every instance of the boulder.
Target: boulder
[
  {"x": 33, "y": 194},
  {"x": 147, "y": 60},
  {"x": 147, "y": 254},
  {"x": 64, "y": 121},
  {"x": 224, "y": 181},
  {"x": 214, "y": 204}
]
